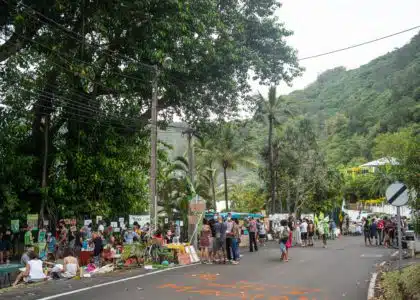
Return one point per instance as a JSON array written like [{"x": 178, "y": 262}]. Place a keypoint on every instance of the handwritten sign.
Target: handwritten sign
[{"x": 141, "y": 219}]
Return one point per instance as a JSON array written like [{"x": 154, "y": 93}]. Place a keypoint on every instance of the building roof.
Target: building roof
[{"x": 381, "y": 162}]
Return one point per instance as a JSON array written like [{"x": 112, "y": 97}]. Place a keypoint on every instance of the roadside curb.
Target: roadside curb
[{"x": 372, "y": 285}]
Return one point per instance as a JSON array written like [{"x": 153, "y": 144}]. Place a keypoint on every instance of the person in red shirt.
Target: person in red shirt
[{"x": 380, "y": 228}]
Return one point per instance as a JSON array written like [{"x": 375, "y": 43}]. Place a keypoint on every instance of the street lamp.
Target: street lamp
[{"x": 167, "y": 63}]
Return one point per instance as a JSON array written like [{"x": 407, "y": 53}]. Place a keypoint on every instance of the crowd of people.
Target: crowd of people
[
  {"x": 382, "y": 231},
  {"x": 44, "y": 248},
  {"x": 220, "y": 238}
]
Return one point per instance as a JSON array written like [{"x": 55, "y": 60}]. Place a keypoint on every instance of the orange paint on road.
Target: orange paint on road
[{"x": 242, "y": 290}]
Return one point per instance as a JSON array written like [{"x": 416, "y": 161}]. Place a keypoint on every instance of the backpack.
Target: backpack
[{"x": 284, "y": 234}]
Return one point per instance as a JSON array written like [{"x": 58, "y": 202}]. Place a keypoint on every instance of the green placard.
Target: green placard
[
  {"x": 14, "y": 224},
  {"x": 32, "y": 221}
]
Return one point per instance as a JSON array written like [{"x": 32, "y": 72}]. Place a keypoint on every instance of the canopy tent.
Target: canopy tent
[{"x": 235, "y": 215}]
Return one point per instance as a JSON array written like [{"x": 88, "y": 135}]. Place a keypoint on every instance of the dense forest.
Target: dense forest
[{"x": 354, "y": 116}]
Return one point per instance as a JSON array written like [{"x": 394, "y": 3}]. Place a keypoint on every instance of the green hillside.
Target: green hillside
[{"x": 351, "y": 107}]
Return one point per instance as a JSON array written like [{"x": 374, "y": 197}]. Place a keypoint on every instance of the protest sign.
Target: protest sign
[
  {"x": 32, "y": 221},
  {"x": 141, "y": 219}
]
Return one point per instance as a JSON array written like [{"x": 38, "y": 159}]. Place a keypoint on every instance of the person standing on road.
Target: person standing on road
[
  {"x": 220, "y": 229},
  {"x": 229, "y": 236},
  {"x": 205, "y": 242},
  {"x": 261, "y": 232},
  {"x": 322, "y": 229},
  {"x": 212, "y": 239},
  {"x": 304, "y": 232},
  {"x": 252, "y": 230},
  {"x": 236, "y": 241},
  {"x": 311, "y": 232},
  {"x": 366, "y": 230},
  {"x": 284, "y": 237},
  {"x": 374, "y": 231},
  {"x": 380, "y": 228}
]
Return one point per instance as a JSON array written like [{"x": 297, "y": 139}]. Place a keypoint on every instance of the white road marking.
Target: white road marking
[
  {"x": 371, "y": 290},
  {"x": 371, "y": 255},
  {"x": 395, "y": 253},
  {"x": 112, "y": 282}
]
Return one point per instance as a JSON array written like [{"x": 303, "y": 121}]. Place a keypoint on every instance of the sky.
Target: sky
[{"x": 324, "y": 25}]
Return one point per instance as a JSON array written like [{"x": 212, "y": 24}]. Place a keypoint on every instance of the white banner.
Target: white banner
[
  {"x": 307, "y": 216},
  {"x": 141, "y": 219}
]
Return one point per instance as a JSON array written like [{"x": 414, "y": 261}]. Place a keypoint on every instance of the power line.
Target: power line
[{"x": 358, "y": 45}]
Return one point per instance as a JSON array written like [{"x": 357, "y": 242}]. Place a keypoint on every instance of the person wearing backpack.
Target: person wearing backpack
[{"x": 284, "y": 236}]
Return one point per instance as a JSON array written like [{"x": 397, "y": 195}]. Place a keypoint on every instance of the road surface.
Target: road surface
[{"x": 342, "y": 271}]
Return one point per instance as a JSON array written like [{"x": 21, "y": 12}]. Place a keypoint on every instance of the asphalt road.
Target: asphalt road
[{"x": 342, "y": 271}]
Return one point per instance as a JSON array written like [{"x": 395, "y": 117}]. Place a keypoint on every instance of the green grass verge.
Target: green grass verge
[{"x": 402, "y": 286}]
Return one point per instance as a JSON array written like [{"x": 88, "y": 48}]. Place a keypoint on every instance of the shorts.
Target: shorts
[
  {"x": 311, "y": 234},
  {"x": 261, "y": 236},
  {"x": 283, "y": 248},
  {"x": 211, "y": 244},
  {"x": 304, "y": 236},
  {"x": 220, "y": 243}
]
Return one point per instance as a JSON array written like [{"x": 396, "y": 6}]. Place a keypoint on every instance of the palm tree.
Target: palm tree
[
  {"x": 230, "y": 152},
  {"x": 206, "y": 162},
  {"x": 272, "y": 109}
]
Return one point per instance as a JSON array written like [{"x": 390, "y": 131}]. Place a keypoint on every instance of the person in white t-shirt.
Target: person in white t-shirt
[
  {"x": 304, "y": 232},
  {"x": 33, "y": 271}
]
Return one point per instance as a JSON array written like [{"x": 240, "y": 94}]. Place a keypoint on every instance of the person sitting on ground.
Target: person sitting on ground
[
  {"x": 33, "y": 271},
  {"x": 91, "y": 266},
  {"x": 71, "y": 265},
  {"x": 24, "y": 259}
]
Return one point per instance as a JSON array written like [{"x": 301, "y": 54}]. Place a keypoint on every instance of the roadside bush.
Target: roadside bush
[{"x": 404, "y": 286}]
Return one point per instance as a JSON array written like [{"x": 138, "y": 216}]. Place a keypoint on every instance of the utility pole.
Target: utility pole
[
  {"x": 190, "y": 135},
  {"x": 167, "y": 62},
  {"x": 153, "y": 155},
  {"x": 192, "y": 236}
]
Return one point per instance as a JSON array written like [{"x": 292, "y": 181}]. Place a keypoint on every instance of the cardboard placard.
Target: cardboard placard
[
  {"x": 73, "y": 228},
  {"x": 87, "y": 222},
  {"x": 46, "y": 222},
  {"x": 114, "y": 224},
  {"x": 192, "y": 253},
  {"x": 183, "y": 258},
  {"x": 117, "y": 229},
  {"x": 166, "y": 220},
  {"x": 67, "y": 221},
  {"x": 121, "y": 220},
  {"x": 32, "y": 221},
  {"x": 198, "y": 206},
  {"x": 98, "y": 218}
]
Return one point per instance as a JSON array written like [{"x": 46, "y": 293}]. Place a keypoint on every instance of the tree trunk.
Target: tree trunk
[
  {"x": 275, "y": 193},
  {"x": 44, "y": 170},
  {"x": 226, "y": 188},
  {"x": 213, "y": 191},
  {"x": 270, "y": 164}
]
